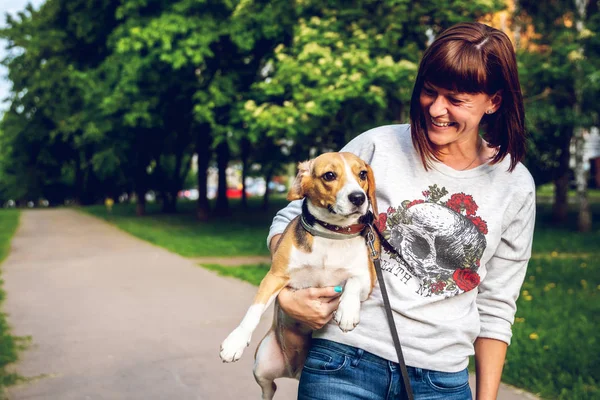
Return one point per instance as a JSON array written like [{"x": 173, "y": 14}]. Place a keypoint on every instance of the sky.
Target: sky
[{"x": 10, "y": 7}]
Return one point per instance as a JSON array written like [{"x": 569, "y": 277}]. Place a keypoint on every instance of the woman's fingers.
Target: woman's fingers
[
  {"x": 329, "y": 292},
  {"x": 313, "y": 306}
]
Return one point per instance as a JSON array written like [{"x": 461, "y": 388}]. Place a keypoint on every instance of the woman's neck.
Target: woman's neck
[{"x": 466, "y": 155}]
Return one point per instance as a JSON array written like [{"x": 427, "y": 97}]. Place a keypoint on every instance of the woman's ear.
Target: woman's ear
[
  {"x": 298, "y": 189},
  {"x": 371, "y": 191},
  {"x": 496, "y": 100}
]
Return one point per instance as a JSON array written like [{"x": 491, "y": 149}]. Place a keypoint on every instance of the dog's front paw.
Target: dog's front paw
[
  {"x": 233, "y": 347},
  {"x": 347, "y": 315}
]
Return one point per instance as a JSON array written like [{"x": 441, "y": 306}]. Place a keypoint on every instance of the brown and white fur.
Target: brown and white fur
[{"x": 303, "y": 260}]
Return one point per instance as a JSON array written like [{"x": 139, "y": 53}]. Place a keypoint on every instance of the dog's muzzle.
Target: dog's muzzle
[{"x": 357, "y": 198}]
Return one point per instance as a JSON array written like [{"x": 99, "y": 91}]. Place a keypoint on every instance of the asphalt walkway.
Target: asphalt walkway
[{"x": 114, "y": 317}]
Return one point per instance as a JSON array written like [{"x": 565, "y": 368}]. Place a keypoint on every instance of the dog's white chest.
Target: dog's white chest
[{"x": 330, "y": 263}]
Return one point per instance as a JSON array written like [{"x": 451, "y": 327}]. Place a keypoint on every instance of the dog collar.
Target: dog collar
[
  {"x": 346, "y": 230},
  {"x": 337, "y": 232},
  {"x": 333, "y": 235}
]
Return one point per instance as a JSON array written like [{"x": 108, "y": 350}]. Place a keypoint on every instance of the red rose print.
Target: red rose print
[
  {"x": 480, "y": 224},
  {"x": 460, "y": 202},
  {"x": 412, "y": 203},
  {"x": 466, "y": 279},
  {"x": 391, "y": 210},
  {"x": 437, "y": 286},
  {"x": 426, "y": 193},
  {"x": 380, "y": 225}
]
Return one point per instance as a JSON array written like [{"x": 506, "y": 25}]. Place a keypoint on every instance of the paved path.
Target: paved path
[{"x": 113, "y": 317}]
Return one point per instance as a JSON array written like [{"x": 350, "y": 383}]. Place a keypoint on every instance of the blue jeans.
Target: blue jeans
[{"x": 334, "y": 371}]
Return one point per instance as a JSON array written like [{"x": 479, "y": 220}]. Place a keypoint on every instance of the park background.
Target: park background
[{"x": 190, "y": 115}]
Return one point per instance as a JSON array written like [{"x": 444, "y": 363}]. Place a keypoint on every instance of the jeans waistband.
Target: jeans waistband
[{"x": 351, "y": 351}]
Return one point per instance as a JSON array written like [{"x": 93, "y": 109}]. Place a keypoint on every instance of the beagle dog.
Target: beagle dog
[{"x": 324, "y": 246}]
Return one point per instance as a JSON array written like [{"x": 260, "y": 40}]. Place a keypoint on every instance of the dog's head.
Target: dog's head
[{"x": 339, "y": 185}]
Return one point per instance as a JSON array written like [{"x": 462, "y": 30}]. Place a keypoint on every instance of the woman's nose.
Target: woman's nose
[{"x": 438, "y": 108}]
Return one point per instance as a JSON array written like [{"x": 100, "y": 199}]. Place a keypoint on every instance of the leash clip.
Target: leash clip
[{"x": 371, "y": 242}]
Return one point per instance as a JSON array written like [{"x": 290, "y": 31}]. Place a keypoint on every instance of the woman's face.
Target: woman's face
[{"x": 454, "y": 117}]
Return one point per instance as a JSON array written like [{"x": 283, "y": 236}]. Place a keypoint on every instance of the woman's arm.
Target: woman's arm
[
  {"x": 489, "y": 360},
  {"x": 499, "y": 290}
]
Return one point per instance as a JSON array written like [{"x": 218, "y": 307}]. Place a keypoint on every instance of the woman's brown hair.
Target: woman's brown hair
[{"x": 474, "y": 58}]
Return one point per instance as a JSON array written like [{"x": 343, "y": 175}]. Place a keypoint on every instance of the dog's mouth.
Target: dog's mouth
[{"x": 353, "y": 213}]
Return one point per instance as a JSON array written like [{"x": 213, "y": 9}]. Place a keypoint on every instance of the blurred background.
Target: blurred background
[
  {"x": 187, "y": 113},
  {"x": 147, "y": 100}
]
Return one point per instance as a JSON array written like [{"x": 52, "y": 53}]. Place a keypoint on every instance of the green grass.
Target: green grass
[
  {"x": 546, "y": 192},
  {"x": 243, "y": 233},
  {"x": 555, "y": 345},
  {"x": 253, "y": 273},
  {"x": 555, "y": 349},
  {"x": 9, "y": 220}
]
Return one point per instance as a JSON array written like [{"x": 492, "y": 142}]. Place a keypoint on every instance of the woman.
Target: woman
[{"x": 460, "y": 217}]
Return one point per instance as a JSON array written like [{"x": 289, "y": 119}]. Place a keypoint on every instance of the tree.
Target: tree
[
  {"x": 348, "y": 68},
  {"x": 48, "y": 48},
  {"x": 557, "y": 87}
]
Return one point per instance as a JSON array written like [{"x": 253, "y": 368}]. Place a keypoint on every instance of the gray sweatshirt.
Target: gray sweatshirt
[{"x": 461, "y": 242}]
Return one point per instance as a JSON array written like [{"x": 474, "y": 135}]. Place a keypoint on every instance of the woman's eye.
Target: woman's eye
[
  {"x": 362, "y": 175},
  {"x": 455, "y": 101},
  {"x": 428, "y": 92},
  {"x": 329, "y": 176}
]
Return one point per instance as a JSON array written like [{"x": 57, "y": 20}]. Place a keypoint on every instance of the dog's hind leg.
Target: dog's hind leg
[
  {"x": 281, "y": 353},
  {"x": 269, "y": 364}
]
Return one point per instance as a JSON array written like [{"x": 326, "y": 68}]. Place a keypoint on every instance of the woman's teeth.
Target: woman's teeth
[{"x": 440, "y": 124}]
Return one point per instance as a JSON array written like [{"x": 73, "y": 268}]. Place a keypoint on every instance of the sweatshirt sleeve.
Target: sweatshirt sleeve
[
  {"x": 283, "y": 218},
  {"x": 499, "y": 290}
]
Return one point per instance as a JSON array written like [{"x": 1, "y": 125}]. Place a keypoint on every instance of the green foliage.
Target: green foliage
[
  {"x": 9, "y": 220},
  {"x": 348, "y": 68},
  {"x": 116, "y": 96},
  {"x": 558, "y": 69}
]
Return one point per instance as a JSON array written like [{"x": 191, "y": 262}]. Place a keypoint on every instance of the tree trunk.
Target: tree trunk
[
  {"x": 140, "y": 205},
  {"x": 560, "y": 207},
  {"x": 245, "y": 153},
  {"x": 222, "y": 206},
  {"x": 584, "y": 221},
  {"x": 268, "y": 176},
  {"x": 169, "y": 202},
  {"x": 174, "y": 184},
  {"x": 204, "y": 153},
  {"x": 78, "y": 180}
]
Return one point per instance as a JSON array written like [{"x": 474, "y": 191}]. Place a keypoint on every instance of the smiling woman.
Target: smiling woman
[
  {"x": 460, "y": 211},
  {"x": 453, "y": 123},
  {"x": 466, "y": 80}
]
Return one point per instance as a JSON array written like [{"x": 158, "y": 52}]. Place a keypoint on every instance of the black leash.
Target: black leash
[{"x": 375, "y": 256}]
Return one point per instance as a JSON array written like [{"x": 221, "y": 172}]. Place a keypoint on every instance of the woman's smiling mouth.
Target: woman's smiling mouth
[{"x": 441, "y": 124}]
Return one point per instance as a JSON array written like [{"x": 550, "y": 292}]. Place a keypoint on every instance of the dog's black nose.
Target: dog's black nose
[{"x": 357, "y": 198}]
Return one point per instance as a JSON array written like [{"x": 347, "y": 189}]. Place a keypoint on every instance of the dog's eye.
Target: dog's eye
[
  {"x": 362, "y": 175},
  {"x": 329, "y": 176}
]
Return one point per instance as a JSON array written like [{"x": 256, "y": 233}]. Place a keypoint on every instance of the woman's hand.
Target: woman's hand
[{"x": 313, "y": 306}]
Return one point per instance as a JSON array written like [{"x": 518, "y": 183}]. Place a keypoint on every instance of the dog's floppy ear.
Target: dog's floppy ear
[
  {"x": 297, "y": 191},
  {"x": 371, "y": 192}
]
